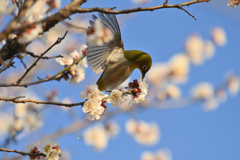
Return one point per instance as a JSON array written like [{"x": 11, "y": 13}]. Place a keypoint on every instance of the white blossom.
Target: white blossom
[
  {"x": 194, "y": 48},
  {"x": 143, "y": 85},
  {"x": 139, "y": 98},
  {"x": 78, "y": 77},
  {"x": 209, "y": 49},
  {"x": 66, "y": 60},
  {"x": 92, "y": 91},
  {"x": 52, "y": 150},
  {"x": 173, "y": 91},
  {"x": 143, "y": 132},
  {"x": 178, "y": 67},
  {"x": 112, "y": 128},
  {"x": 210, "y": 104},
  {"x": 158, "y": 74},
  {"x": 115, "y": 98},
  {"x": 96, "y": 136},
  {"x": 93, "y": 108},
  {"x": 203, "y": 91},
  {"x": 233, "y": 83},
  {"x": 219, "y": 36}
]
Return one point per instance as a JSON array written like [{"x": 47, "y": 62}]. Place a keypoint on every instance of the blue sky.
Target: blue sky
[{"x": 190, "y": 133}]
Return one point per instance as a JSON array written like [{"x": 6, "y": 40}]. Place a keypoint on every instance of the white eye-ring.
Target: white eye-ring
[{"x": 144, "y": 67}]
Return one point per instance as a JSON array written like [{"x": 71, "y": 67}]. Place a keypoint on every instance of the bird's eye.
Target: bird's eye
[{"x": 144, "y": 67}]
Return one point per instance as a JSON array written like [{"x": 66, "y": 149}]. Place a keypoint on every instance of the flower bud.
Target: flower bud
[
  {"x": 66, "y": 77},
  {"x": 21, "y": 55}
]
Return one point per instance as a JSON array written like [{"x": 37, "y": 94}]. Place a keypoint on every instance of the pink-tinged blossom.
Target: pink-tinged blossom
[
  {"x": 65, "y": 61},
  {"x": 139, "y": 91},
  {"x": 52, "y": 150},
  {"x": 233, "y": 3},
  {"x": 34, "y": 148},
  {"x": 29, "y": 33},
  {"x": 53, "y": 4},
  {"x": 78, "y": 77}
]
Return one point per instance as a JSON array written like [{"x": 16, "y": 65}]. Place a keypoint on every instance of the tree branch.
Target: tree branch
[
  {"x": 22, "y": 153},
  {"x": 12, "y": 47},
  {"x": 43, "y": 57}
]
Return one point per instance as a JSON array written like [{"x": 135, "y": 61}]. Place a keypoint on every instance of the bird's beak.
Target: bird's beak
[{"x": 143, "y": 75}]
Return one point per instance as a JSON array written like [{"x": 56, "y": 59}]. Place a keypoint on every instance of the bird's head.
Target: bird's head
[{"x": 140, "y": 60}]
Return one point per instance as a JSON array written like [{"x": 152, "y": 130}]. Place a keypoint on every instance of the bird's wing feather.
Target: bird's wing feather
[{"x": 100, "y": 56}]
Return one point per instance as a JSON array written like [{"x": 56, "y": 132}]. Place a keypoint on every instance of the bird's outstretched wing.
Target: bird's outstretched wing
[{"x": 100, "y": 56}]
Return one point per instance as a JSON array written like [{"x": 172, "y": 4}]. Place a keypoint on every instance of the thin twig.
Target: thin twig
[
  {"x": 16, "y": 100},
  {"x": 24, "y": 65},
  {"x": 22, "y": 153},
  {"x": 7, "y": 65},
  {"x": 139, "y": 9},
  {"x": 43, "y": 57},
  {"x": 35, "y": 63}
]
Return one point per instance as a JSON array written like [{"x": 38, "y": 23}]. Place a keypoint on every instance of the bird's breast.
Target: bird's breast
[{"x": 114, "y": 75}]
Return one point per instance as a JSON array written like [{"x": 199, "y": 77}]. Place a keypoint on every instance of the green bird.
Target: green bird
[{"x": 116, "y": 63}]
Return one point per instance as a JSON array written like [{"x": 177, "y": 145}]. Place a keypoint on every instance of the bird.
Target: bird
[{"x": 111, "y": 58}]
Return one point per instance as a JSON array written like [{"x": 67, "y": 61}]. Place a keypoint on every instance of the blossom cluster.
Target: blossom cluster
[
  {"x": 233, "y": 3},
  {"x": 166, "y": 76},
  {"x": 32, "y": 19},
  {"x": 211, "y": 96},
  {"x": 76, "y": 71},
  {"x": 98, "y": 136},
  {"x": 95, "y": 105},
  {"x": 143, "y": 132},
  {"x": 51, "y": 149}
]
